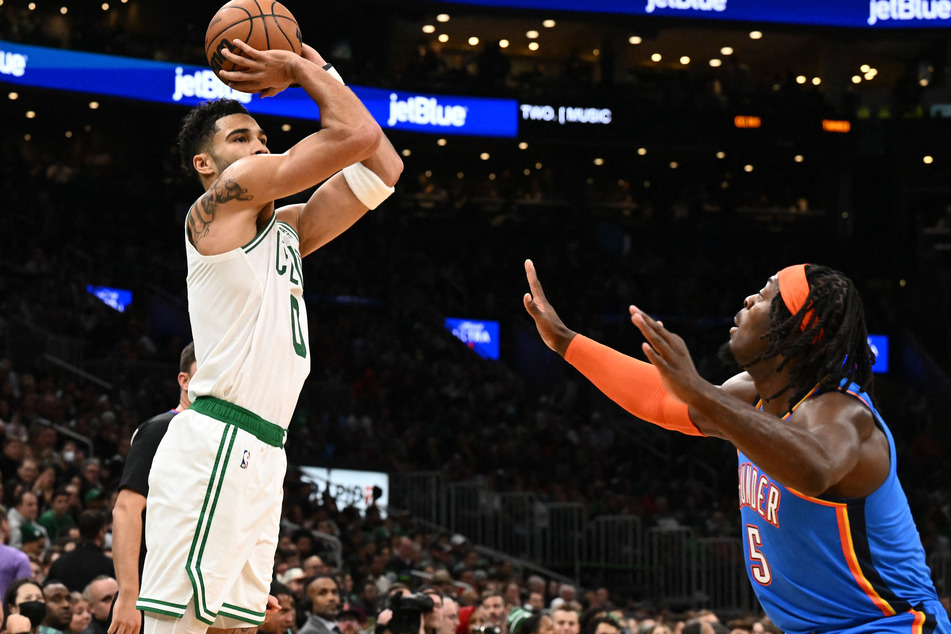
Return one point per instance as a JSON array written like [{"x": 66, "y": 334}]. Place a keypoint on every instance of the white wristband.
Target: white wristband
[
  {"x": 366, "y": 185},
  {"x": 333, "y": 73}
]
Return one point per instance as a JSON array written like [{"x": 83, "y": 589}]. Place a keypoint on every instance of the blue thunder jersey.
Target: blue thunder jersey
[{"x": 837, "y": 565}]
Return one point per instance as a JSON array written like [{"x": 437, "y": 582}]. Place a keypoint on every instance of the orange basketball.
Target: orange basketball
[{"x": 263, "y": 24}]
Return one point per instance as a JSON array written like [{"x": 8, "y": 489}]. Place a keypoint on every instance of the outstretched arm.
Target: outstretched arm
[
  {"x": 634, "y": 385},
  {"x": 829, "y": 445}
]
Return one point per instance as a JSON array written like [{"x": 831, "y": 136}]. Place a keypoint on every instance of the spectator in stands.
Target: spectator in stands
[
  {"x": 566, "y": 593},
  {"x": 314, "y": 565},
  {"x": 25, "y": 511},
  {"x": 91, "y": 476},
  {"x": 404, "y": 561},
  {"x": 10, "y": 459},
  {"x": 433, "y": 620},
  {"x": 59, "y": 612},
  {"x": 25, "y": 478},
  {"x": 493, "y": 609},
  {"x": 450, "y": 615},
  {"x": 23, "y": 598},
  {"x": 33, "y": 543},
  {"x": 81, "y": 616},
  {"x": 535, "y": 602},
  {"x": 285, "y": 621},
  {"x": 566, "y": 620},
  {"x": 57, "y": 520},
  {"x": 87, "y": 561},
  {"x": 100, "y": 593},
  {"x": 324, "y": 595},
  {"x": 14, "y": 563},
  {"x": 602, "y": 625},
  {"x": 348, "y": 621}
]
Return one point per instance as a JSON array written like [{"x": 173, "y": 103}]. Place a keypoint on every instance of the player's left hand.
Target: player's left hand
[
  {"x": 268, "y": 72},
  {"x": 552, "y": 329},
  {"x": 669, "y": 354},
  {"x": 126, "y": 619}
]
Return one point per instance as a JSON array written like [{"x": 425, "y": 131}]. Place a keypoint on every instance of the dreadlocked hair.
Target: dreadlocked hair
[{"x": 834, "y": 345}]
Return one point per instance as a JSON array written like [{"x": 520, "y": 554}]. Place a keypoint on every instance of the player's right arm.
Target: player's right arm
[
  {"x": 348, "y": 132},
  {"x": 126, "y": 540}
]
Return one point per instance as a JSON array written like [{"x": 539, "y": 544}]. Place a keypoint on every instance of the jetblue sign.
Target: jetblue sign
[
  {"x": 190, "y": 85},
  {"x": 843, "y": 13},
  {"x": 441, "y": 114}
]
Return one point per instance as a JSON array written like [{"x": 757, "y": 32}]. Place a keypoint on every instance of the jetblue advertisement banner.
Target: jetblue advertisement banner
[
  {"x": 189, "y": 85},
  {"x": 847, "y": 13}
]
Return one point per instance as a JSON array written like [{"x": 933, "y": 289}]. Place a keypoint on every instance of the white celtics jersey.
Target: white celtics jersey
[{"x": 249, "y": 323}]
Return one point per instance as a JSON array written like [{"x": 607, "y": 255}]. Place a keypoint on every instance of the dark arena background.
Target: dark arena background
[{"x": 671, "y": 155}]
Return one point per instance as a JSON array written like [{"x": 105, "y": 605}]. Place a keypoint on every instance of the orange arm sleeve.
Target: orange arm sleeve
[{"x": 634, "y": 385}]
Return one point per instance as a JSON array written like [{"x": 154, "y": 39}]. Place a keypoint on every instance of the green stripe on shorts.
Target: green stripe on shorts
[
  {"x": 193, "y": 563},
  {"x": 161, "y": 607}
]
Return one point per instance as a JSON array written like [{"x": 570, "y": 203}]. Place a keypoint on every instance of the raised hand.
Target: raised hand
[
  {"x": 553, "y": 331},
  {"x": 669, "y": 354},
  {"x": 267, "y": 72}
]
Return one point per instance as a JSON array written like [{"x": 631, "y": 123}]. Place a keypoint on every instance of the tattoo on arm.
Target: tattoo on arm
[{"x": 202, "y": 213}]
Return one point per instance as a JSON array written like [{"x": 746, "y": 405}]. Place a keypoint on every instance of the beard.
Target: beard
[{"x": 725, "y": 354}]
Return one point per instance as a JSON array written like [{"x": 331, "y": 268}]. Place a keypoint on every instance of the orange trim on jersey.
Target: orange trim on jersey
[
  {"x": 917, "y": 626},
  {"x": 809, "y": 498},
  {"x": 848, "y": 549}
]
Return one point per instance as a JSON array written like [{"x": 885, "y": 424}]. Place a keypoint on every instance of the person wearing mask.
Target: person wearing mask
[{"x": 24, "y": 599}]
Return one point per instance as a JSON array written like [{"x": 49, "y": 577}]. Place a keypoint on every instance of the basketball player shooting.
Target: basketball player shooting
[
  {"x": 216, "y": 481},
  {"x": 830, "y": 542}
]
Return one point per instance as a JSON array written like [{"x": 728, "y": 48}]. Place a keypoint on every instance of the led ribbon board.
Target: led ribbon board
[
  {"x": 163, "y": 82},
  {"x": 841, "y": 13}
]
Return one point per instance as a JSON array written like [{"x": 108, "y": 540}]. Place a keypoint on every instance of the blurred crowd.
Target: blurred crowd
[{"x": 390, "y": 388}]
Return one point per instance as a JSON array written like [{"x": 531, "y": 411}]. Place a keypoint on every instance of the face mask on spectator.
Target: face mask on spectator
[{"x": 33, "y": 610}]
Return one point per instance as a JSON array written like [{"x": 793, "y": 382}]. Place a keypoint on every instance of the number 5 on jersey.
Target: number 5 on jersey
[{"x": 759, "y": 567}]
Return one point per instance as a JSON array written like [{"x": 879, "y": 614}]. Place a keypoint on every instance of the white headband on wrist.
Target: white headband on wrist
[{"x": 366, "y": 185}]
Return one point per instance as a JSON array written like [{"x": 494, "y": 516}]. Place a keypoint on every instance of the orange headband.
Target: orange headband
[{"x": 794, "y": 289}]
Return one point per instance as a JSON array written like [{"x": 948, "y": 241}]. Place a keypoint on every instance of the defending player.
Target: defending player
[
  {"x": 830, "y": 541},
  {"x": 215, "y": 488}
]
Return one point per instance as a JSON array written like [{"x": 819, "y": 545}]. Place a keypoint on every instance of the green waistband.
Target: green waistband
[{"x": 241, "y": 418}]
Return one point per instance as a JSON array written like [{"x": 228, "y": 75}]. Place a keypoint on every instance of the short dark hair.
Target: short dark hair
[
  {"x": 187, "y": 358},
  {"x": 18, "y": 498},
  {"x": 198, "y": 126},
  {"x": 90, "y": 523}
]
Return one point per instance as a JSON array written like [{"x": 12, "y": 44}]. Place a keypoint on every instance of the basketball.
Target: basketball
[{"x": 263, "y": 24}]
